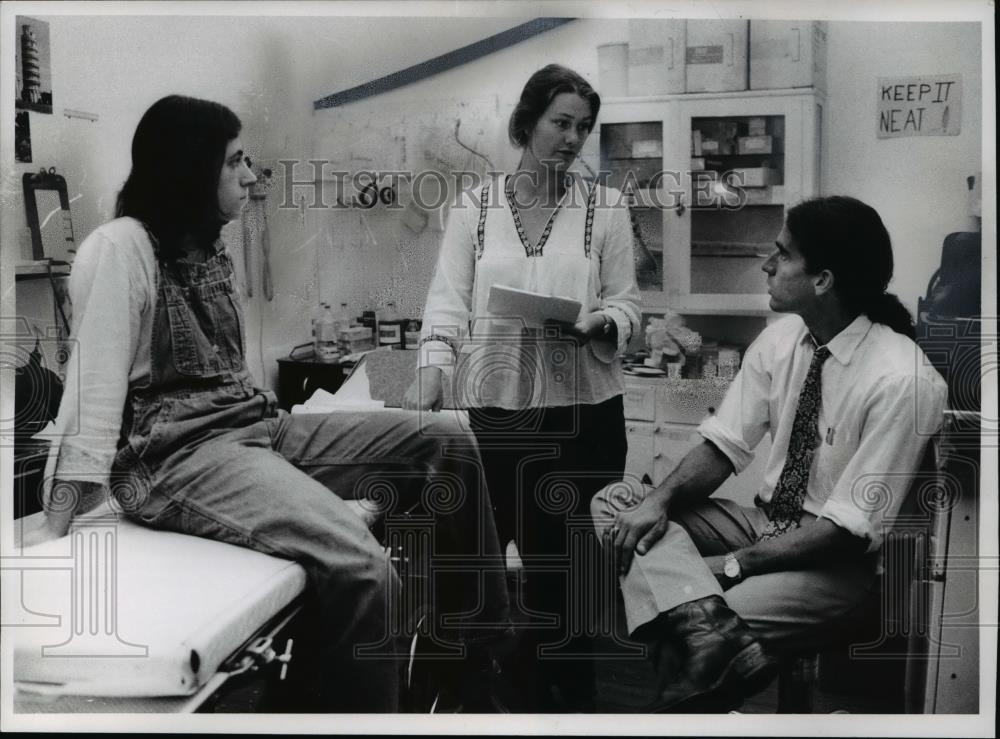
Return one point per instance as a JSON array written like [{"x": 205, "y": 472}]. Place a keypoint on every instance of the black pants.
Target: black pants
[{"x": 543, "y": 466}]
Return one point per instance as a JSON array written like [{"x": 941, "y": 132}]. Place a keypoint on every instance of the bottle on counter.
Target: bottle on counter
[
  {"x": 325, "y": 336},
  {"x": 343, "y": 318},
  {"x": 729, "y": 362},
  {"x": 709, "y": 359},
  {"x": 369, "y": 320},
  {"x": 411, "y": 336},
  {"x": 390, "y": 327}
]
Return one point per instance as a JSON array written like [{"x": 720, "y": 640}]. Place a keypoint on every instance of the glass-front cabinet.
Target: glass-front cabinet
[{"x": 709, "y": 177}]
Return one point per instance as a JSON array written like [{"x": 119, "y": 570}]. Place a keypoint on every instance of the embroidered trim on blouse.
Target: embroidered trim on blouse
[
  {"x": 589, "y": 227},
  {"x": 529, "y": 250},
  {"x": 484, "y": 201}
]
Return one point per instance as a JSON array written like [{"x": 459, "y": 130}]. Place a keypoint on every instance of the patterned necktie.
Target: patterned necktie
[{"x": 785, "y": 508}]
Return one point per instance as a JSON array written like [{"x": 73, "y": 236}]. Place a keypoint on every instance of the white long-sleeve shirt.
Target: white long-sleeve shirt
[
  {"x": 881, "y": 401},
  {"x": 495, "y": 365},
  {"x": 113, "y": 291}
]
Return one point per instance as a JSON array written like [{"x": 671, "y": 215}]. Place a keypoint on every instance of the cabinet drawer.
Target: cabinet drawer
[
  {"x": 640, "y": 402},
  {"x": 639, "y": 460},
  {"x": 689, "y": 402},
  {"x": 671, "y": 441}
]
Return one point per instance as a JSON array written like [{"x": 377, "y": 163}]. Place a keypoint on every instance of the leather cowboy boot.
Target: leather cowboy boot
[{"x": 723, "y": 662}]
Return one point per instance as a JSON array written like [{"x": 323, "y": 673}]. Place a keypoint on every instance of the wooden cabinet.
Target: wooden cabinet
[{"x": 710, "y": 175}]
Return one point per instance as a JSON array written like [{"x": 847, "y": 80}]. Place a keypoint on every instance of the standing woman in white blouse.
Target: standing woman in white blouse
[{"x": 545, "y": 401}]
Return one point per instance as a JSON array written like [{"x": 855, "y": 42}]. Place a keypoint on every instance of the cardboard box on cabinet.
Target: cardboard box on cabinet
[
  {"x": 716, "y": 55},
  {"x": 656, "y": 51},
  {"x": 786, "y": 54}
]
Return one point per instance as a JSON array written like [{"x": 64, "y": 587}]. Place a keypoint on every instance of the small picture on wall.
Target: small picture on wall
[
  {"x": 22, "y": 136},
  {"x": 33, "y": 70}
]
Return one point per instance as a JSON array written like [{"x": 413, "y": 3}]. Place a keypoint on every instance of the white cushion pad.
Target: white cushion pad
[{"x": 134, "y": 611}]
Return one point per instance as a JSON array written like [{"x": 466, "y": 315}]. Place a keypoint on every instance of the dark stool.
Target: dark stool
[{"x": 894, "y": 625}]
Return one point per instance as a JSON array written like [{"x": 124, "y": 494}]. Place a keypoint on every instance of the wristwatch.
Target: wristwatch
[{"x": 732, "y": 568}]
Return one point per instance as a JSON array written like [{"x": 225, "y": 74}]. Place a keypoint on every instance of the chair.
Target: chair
[{"x": 898, "y": 610}]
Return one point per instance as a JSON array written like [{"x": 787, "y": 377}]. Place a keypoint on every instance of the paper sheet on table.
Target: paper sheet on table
[
  {"x": 533, "y": 308},
  {"x": 322, "y": 401}
]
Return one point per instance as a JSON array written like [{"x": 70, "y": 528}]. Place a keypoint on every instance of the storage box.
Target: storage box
[
  {"x": 755, "y": 176},
  {"x": 716, "y": 55},
  {"x": 753, "y": 145},
  {"x": 757, "y": 126},
  {"x": 787, "y": 54},
  {"x": 656, "y": 56},
  {"x": 355, "y": 339},
  {"x": 647, "y": 148}
]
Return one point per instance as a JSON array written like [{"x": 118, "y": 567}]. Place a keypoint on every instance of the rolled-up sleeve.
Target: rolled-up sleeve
[
  {"x": 620, "y": 293},
  {"x": 449, "y": 299},
  {"x": 868, "y": 494},
  {"x": 744, "y": 414}
]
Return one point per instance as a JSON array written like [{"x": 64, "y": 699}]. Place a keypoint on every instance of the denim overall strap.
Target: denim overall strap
[{"x": 198, "y": 381}]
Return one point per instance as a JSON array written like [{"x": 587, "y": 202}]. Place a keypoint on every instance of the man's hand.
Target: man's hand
[{"x": 636, "y": 530}]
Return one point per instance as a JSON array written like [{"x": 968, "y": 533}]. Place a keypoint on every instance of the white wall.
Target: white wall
[
  {"x": 917, "y": 184},
  {"x": 270, "y": 70},
  {"x": 116, "y": 67},
  {"x": 369, "y": 257}
]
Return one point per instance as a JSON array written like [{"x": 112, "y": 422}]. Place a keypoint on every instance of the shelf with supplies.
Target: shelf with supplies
[{"x": 730, "y": 164}]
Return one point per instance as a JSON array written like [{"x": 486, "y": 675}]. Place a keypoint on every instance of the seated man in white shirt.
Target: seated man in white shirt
[{"x": 850, "y": 402}]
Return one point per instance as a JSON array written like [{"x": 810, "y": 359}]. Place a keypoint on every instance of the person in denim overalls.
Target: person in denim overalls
[{"x": 204, "y": 451}]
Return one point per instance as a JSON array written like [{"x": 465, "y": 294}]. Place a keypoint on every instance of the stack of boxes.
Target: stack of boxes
[{"x": 671, "y": 56}]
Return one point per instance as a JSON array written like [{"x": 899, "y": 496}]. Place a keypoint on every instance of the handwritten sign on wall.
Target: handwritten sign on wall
[{"x": 920, "y": 106}]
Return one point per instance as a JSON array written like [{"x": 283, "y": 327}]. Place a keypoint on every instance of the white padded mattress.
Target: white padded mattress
[{"x": 119, "y": 609}]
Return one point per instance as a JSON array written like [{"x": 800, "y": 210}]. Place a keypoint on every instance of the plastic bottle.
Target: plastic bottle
[
  {"x": 709, "y": 359},
  {"x": 317, "y": 315},
  {"x": 325, "y": 333},
  {"x": 390, "y": 327},
  {"x": 342, "y": 319},
  {"x": 369, "y": 319},
  {"x": 411, "y": 337}
]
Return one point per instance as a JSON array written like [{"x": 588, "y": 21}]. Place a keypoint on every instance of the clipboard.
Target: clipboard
[{"x": 533, "y": 308}]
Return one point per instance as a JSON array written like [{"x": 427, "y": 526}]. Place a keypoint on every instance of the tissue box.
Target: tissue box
[
  {"x": 756, "y": 176},
  {"x": 753, "y": 145}
]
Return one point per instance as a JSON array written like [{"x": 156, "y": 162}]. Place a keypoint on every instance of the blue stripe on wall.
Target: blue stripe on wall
[{"x": 442, "y": 63}]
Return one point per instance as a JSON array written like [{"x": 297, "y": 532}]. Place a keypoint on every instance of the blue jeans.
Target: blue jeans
[
  {"x": 205, "y": 452},
  {"x": 278, "y": 486}
]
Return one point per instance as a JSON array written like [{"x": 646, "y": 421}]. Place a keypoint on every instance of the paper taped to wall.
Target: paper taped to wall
[{"x": 533, "y": 308}]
